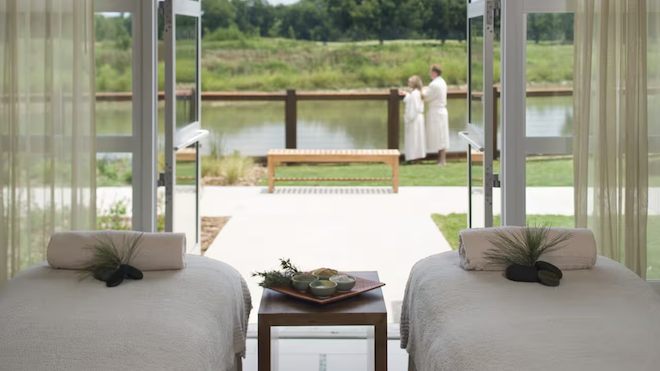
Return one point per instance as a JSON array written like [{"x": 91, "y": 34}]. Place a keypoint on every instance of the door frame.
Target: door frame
[
  {"x": 515, "y": 143},
  {"x": 142, "y": 143},
  {"x": 482, "y": 140},
  {"x": 176, "y": 139}
]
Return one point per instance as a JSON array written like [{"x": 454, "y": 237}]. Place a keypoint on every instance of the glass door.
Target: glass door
[
  {"x": 183, "y": 129},
  {"x": 126, "y": 114},
  {"x": 480, "y": 133}
]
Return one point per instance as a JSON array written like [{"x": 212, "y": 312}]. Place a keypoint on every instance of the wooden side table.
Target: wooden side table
[{"x": 367, "y": 309}]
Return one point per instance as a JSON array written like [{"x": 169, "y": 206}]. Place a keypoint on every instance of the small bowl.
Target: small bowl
[
  {"x": 326, "y": 276},
  {"x": 323, "y": 289},
  {"x": 301, "y": 282},
  {"x": 343, "y": 286}
]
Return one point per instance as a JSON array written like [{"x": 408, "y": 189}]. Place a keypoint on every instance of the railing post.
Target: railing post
[
  {"x": 496, "y": 96},
  {"x": 291, "y": 119},
  {"x": 393, "y": 106}
]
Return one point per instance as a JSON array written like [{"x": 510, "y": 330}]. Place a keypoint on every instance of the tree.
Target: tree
[
  {"x": 218, "y": 14},
  {"x": 537, "y": 26},
  {"x": 307, "y": 20},
  {"x": 568, "y": 26}
]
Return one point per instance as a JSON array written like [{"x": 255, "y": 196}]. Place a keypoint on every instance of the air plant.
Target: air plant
[
  {"x": 278, "y": 278},
  {"x": 520, "y": 253},
  {"x": 111, "y": 263}
]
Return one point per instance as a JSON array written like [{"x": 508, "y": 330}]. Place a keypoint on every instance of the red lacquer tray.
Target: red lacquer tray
[{"x": 361, "y": 286}]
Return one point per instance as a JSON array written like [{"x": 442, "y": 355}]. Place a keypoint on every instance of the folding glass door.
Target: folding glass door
[
  {"x": 126, "y": 113},
  {"x": 183, "y": 130},
  {"x": 479, "y": 136}
]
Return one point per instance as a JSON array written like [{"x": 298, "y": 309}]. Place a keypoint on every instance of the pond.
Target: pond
[{"x": 252, "y": 128}]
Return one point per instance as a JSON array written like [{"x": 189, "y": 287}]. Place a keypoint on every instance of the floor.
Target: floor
[
  {"x": 345, "y": 231},
  {"x": 326, "y": 355}
]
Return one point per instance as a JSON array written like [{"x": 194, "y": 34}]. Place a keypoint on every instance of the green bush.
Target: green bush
[
  {"x": 113, "y": 172},
  {"x": 233, "y": 167},
  {"x": 116, "y": 218},
  {"x": 224, "y": 34}
]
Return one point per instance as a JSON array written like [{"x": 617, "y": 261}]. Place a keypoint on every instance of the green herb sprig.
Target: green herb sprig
[
  {"x": 525, "y": 247},
  {"x": 278, "y": 278}
]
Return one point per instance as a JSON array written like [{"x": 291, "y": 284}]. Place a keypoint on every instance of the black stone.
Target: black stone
[
  {"x": 548, "y": 278},
  {"x": 117, "y": 277},
  {"x": 104, "y": 274},
  {"x": 545, "y": 266},
  {"x": 132, "y": 272},
  {"x": 522, "y": 273}
]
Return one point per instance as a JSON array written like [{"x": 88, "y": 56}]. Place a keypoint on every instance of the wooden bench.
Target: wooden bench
[{"x": 279, "y": 156}]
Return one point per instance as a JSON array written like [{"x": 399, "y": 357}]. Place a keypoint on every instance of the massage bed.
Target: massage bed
[
  {"x": 603, "y": 318},
  {"x": 189, "y": 319}
]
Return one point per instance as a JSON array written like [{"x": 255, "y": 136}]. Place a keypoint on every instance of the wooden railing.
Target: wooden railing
[{"x": 291, "y": 97}]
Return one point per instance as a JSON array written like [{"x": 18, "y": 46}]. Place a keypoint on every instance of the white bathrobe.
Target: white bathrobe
[
  {"x": 437, "y": 118},
  {"x": 414, "y": 119}
]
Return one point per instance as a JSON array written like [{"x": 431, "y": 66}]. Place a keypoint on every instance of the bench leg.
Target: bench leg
[
  {"x": 271, "y": 176},
  {"x": 395, "y": 175}
]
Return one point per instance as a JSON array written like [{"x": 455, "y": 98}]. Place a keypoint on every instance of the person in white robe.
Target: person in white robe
[
  {"x": 414, "y": 121},
  {"x": 437, "y": 117}
]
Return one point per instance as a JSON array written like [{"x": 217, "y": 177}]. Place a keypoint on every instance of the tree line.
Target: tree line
[{"x": 340, "y": 20}]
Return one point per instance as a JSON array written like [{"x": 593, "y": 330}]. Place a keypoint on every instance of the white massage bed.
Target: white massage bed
[
  {"x": 604, "y": 318},
  {"x": 190, "y": 319}
]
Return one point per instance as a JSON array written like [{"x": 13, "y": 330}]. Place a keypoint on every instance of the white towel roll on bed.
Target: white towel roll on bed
[
  {"x": 157, "y": 251},
  {"x": 578, "y": 252}
]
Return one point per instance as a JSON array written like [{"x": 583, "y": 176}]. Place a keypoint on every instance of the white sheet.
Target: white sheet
[
  {"x": 604, "y": 318},
  {"x": 190, "y": 319}
]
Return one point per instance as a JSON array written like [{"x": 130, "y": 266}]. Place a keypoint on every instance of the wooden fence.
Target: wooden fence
[{"x": 291, "y": 97}]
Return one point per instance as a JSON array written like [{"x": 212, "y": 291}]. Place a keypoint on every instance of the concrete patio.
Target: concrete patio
[{"x": 361, "y": 228}]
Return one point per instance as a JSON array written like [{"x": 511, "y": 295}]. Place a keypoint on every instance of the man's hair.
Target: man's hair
[{"x": 437, "y": 69}]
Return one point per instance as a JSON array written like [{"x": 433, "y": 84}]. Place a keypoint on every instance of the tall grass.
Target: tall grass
[
  {"x": 271, "y": 64},
  {"x": 232, "y": 168}
]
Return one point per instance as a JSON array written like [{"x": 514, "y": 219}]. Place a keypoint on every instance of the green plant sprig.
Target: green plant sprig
[
  {"x": 278, "y": 278},
  {"x": 108, "y": 256},
  {"x": 525, "y": 247}
]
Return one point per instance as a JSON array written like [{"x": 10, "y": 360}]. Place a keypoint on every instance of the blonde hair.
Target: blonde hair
[{"x": 417, "y": 84}]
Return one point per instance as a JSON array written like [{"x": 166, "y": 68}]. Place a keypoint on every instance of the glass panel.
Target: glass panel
[
  {"x": 549, "y": 118},
  {"x": 186, "y": 71},
  {"x": 114, "y": 192},
  {"x": 476, "y": 172},
  {"x": 186, "y": 203},
  {"x": 114, "y": 73},
  {"x": 476, "y": 83}
]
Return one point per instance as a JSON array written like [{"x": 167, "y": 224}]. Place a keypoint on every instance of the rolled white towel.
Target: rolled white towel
[
  {"x": 156, "y": 251},
  {"x": 578, "y": 252}
]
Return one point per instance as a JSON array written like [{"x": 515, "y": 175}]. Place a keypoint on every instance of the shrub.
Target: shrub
[
  {"x": 232, "y": 168},
  {"x": 116, "y": 218},
  {"x": 224, "y": 34}
]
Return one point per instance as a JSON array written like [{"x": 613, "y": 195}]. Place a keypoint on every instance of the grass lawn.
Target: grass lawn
[
  {"x": 541, "y": 172},
  {"x": 451, "y": 224},
  {"x": 545, "y": 173}
]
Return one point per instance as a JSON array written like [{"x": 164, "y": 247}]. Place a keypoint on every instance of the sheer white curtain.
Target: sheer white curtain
[
  {"x": 611, "y": 138},
  {"x": 47, "y": 128},
  {"x": 653, "y": 53}
]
